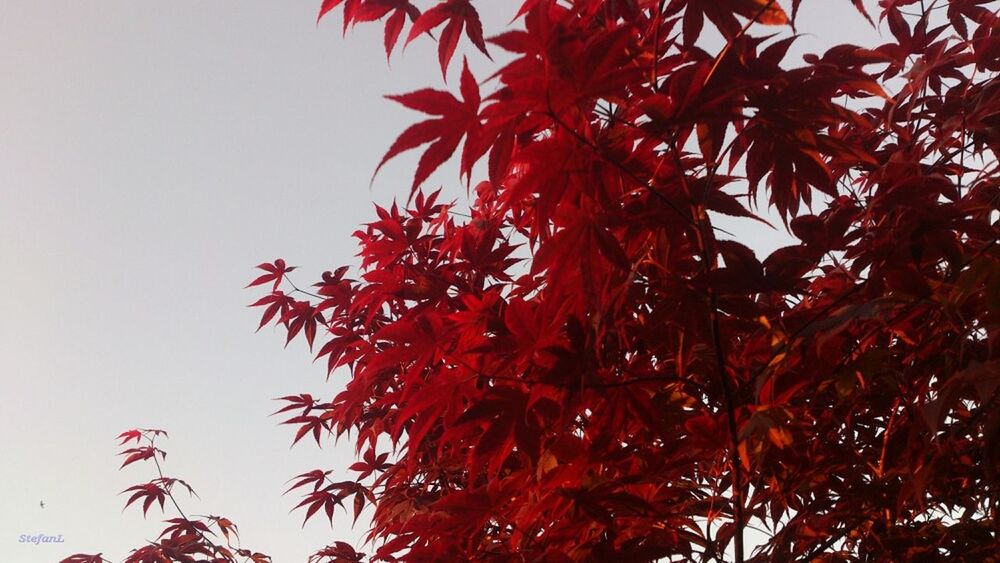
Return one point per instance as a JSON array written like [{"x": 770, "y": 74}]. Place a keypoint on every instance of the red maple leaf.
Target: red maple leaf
[
  {"x": 455, "y": 120},
  {"x": 459, "y": 14}
]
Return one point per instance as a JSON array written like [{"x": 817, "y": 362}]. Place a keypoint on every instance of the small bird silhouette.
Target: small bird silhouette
[{"x": 41, "y": 503}]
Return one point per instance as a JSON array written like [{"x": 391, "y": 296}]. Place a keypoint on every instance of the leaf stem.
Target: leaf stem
[{"x": 159, "y": 471}]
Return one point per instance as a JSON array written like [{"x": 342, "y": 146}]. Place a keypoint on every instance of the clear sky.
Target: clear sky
[{"x": 151, "y": 153}]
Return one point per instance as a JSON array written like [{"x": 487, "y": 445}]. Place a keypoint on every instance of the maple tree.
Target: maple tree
[{"x": 580, "y": 365}]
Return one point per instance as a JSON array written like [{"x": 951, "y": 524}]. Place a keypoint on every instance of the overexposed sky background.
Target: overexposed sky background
[{"x": 151, "y": 153}]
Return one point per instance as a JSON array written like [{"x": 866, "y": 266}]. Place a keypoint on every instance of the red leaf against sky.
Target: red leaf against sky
[
  {"x": 140, "y": 453},
  {"x": 81, "y": 558},
  {"x": 275, "y": 273},
  {"x": 130, "y": 435},
  {"x": 722, "y": 13},
  {"x": 456, "y": 120},
  {"x": 150, "y": 492},
  {"x": 456, "y": 15}
]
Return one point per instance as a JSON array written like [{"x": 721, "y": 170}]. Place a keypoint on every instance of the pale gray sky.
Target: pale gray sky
[{"x": 150, "y": 155}]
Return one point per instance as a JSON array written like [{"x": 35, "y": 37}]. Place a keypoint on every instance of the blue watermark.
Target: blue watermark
[{"x": 39, "y": 539}]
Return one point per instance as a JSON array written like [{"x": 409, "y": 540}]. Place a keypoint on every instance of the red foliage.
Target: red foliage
[
  {"x": 186, "y": 539},
  {"x": 585, "y": 368}
]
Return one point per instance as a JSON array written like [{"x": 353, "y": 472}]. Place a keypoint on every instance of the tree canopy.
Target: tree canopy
[{"x": 578, "y": 365}]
